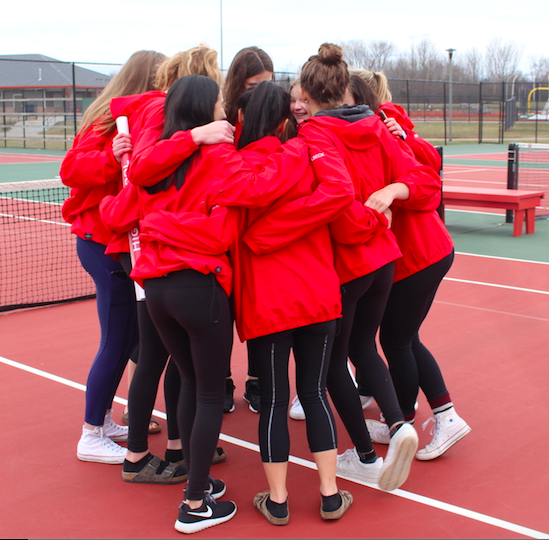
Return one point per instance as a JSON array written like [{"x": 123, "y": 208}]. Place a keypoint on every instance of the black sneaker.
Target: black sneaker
[
  {"x": 229, "y": 399},
  {"x": 216, "y": 488},
  {"x": 252, "y": 395},
  {"x": 211, "y": 513}
]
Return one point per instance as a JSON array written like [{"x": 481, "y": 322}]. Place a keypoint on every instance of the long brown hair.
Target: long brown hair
[
  {"x": 247, "y": 63},
  {"x": 136, "y": 77},
  {"x": 325, "y": 76},
  {"x": 200, "y": 60}
]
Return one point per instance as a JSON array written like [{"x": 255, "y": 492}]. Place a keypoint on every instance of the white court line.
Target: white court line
[
  {"x": 427, "y": 501},
  {"x": 498, "y": 312},
  {"x": 500, "y": 258},
  {"x": 496, "y": 285}
]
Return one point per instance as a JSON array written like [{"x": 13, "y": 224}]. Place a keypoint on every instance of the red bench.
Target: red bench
[{"x": 522, "y": 202}]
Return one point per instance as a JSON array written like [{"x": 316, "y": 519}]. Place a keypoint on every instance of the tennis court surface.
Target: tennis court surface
[{"x": 488, "y": 328}]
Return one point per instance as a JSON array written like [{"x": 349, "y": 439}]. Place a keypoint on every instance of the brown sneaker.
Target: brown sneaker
[
  {"x": 346, "y": 501},
  {"x": 260, "y": 502}
]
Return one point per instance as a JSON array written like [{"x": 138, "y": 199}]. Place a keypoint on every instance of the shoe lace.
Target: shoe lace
[
  {"x": 427, "y": 422},
  {"x": 110, "y": 444}
]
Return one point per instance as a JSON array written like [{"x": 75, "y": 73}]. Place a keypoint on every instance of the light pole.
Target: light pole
[{"x": 450, "y": 54}]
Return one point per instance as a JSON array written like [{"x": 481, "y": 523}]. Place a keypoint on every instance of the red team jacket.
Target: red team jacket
[
  {"x": 92, "y": 172},
  {"x": 281, "y": 284},
  {"x": 421, "y": 235}
]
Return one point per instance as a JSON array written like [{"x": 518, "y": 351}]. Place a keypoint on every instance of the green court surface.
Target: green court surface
[
  {"x": 487, "y": 234},
  {"x": 22, "y": 172}
]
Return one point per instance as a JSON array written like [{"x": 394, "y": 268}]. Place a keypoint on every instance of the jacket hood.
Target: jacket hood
[
  {"x": 127, "y": 105},
  {"x": 352, "y": 113},
  {"x": 357, "y": 127}
]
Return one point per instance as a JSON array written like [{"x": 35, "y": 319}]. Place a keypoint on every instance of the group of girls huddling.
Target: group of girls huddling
[{"x": 309, "y": 218}]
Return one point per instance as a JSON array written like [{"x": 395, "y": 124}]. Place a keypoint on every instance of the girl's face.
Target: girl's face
[
  {"x": 298, "y": 106},
  {"x": 256, "y": 79},
  {"x": 219, "y": 111}
]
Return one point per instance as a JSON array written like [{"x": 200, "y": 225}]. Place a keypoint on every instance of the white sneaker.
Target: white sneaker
[
  {"x": 379, "y": 432},
  {"x": 366, "y": 401},
  {"x": 349, "y": 466},
  {"x": 398, "y": 460},
  {"x": 296, "y": 410},
  {"x": 114, "y": 431},
  {"x": 449, "y": 428},
  {"x": 95, "y": 446}
]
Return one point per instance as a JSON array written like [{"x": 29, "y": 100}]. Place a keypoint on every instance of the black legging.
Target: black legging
[
  {"x": 150, "y": 360},
  {"x": 363, "y": 303},
  {"x": 412, "y": 365},
  {"x": 192, "y": 314},
  {"x": 312, "y": 346}
]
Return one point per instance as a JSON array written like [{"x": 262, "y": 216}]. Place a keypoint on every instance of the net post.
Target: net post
[
  {"x": 512, "y": 174},
  {"x": 440, "y": 209}
]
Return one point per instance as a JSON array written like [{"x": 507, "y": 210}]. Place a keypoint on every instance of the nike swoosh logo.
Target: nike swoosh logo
[{"x": 207, "y": 514}]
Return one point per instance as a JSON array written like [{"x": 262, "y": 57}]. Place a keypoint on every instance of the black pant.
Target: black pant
[
  {"x": 192, "y": 314},
  {"x": 312, "y": 346},
  {"x": 363, "y": 303},
  {"x": 412, "y": 365}
]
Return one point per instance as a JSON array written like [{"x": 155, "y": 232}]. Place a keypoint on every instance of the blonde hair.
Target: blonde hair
[
  {"x": 200, "y": 60},
  {"x": 325, "y": 76},
  {"x": 136, "y": 77},
  {"x": 377, "y": 81}
]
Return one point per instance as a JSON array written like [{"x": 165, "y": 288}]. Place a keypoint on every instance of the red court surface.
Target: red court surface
[
  {"x": 489, "y": 330},
  {"x": 27, "y": 158}
]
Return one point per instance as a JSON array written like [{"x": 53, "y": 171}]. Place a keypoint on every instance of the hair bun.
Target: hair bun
[{"x": 330, "y": 54}]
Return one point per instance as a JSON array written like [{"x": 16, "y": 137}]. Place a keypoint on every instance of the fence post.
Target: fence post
[
  {"x": 479, "y": 112},
  {"x": 444, "y": 109},
  {"x": 74, "y": 98},
  {"x": 512, "y": 174}
]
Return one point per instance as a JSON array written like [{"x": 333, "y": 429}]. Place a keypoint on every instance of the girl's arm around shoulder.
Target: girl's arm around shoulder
[{"x": 284, "y": 223}]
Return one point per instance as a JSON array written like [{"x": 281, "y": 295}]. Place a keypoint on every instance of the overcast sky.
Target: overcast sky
[{"x": 289, "y": 31}]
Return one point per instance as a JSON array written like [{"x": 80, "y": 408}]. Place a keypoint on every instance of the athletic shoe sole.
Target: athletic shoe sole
[
  {"x": 396, "y": 466},
  {"x": 443, "y": 448},
  {"x": 189, "y": 528},
  {"x": 110, "y": 460}
]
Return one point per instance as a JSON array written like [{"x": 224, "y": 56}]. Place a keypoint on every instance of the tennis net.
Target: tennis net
[
  {"x": 528, "y": 169},
  {"x": 38, "y": 260}
]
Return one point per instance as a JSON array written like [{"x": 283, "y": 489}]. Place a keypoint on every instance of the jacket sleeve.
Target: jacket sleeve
[
  {"x": 424, "y": 183},
  {"x": 238, "y": 185},
  {"x": 154, "y": 159},
  {"x": 286, "y": 223},
  {"x": 358, "y": 225},
  {"x": 121, "y": 213},
  {"x": 90, "y": 162},
  {"x": 192, "y": 231}
]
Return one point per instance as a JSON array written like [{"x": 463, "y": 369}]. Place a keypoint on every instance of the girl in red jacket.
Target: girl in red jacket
[
  {"x": 187, "y": 284},
  {"x": 365, "y": 250},
  {"x": 428, "y": 254},
  {"x": 287, "y": 297},
  {"x": 249, "y": 67},
  {"x": 92, "y": 172},
  {"x": 145, "y": 114}
]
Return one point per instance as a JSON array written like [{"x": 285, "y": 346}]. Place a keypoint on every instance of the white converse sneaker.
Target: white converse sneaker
[
  {"x": 449, "y": 428},
  {"x": 398, "y": 460},
  {"x": 114, "y": 431},
  {"x": 296, "y": 410},
  {"x": 349, "y": 466},
  {"x": 95, "y": 446},
  {"x": 379, "y": 432}
]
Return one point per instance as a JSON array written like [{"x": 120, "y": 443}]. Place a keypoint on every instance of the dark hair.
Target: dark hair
[
  {"x": 325, "y": 76},
  {"x": 265, "y": 107},
  {"x": 190, "y": 103},
  {"x": 363, "y": 93},
  {"x": 247, "y": 63}
]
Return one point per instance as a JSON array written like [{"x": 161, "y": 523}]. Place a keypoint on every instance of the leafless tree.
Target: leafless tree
[
  {"x": 539, "y": 69},
  {"x": 471, "y": 65},
  {"x": 374, "y": 55},
  {"x": 502, "y": 60}
]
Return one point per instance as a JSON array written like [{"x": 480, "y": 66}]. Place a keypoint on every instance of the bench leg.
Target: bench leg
[
  {"x": 530, "y": 220},
  {"x": 519, "y": 221}
]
